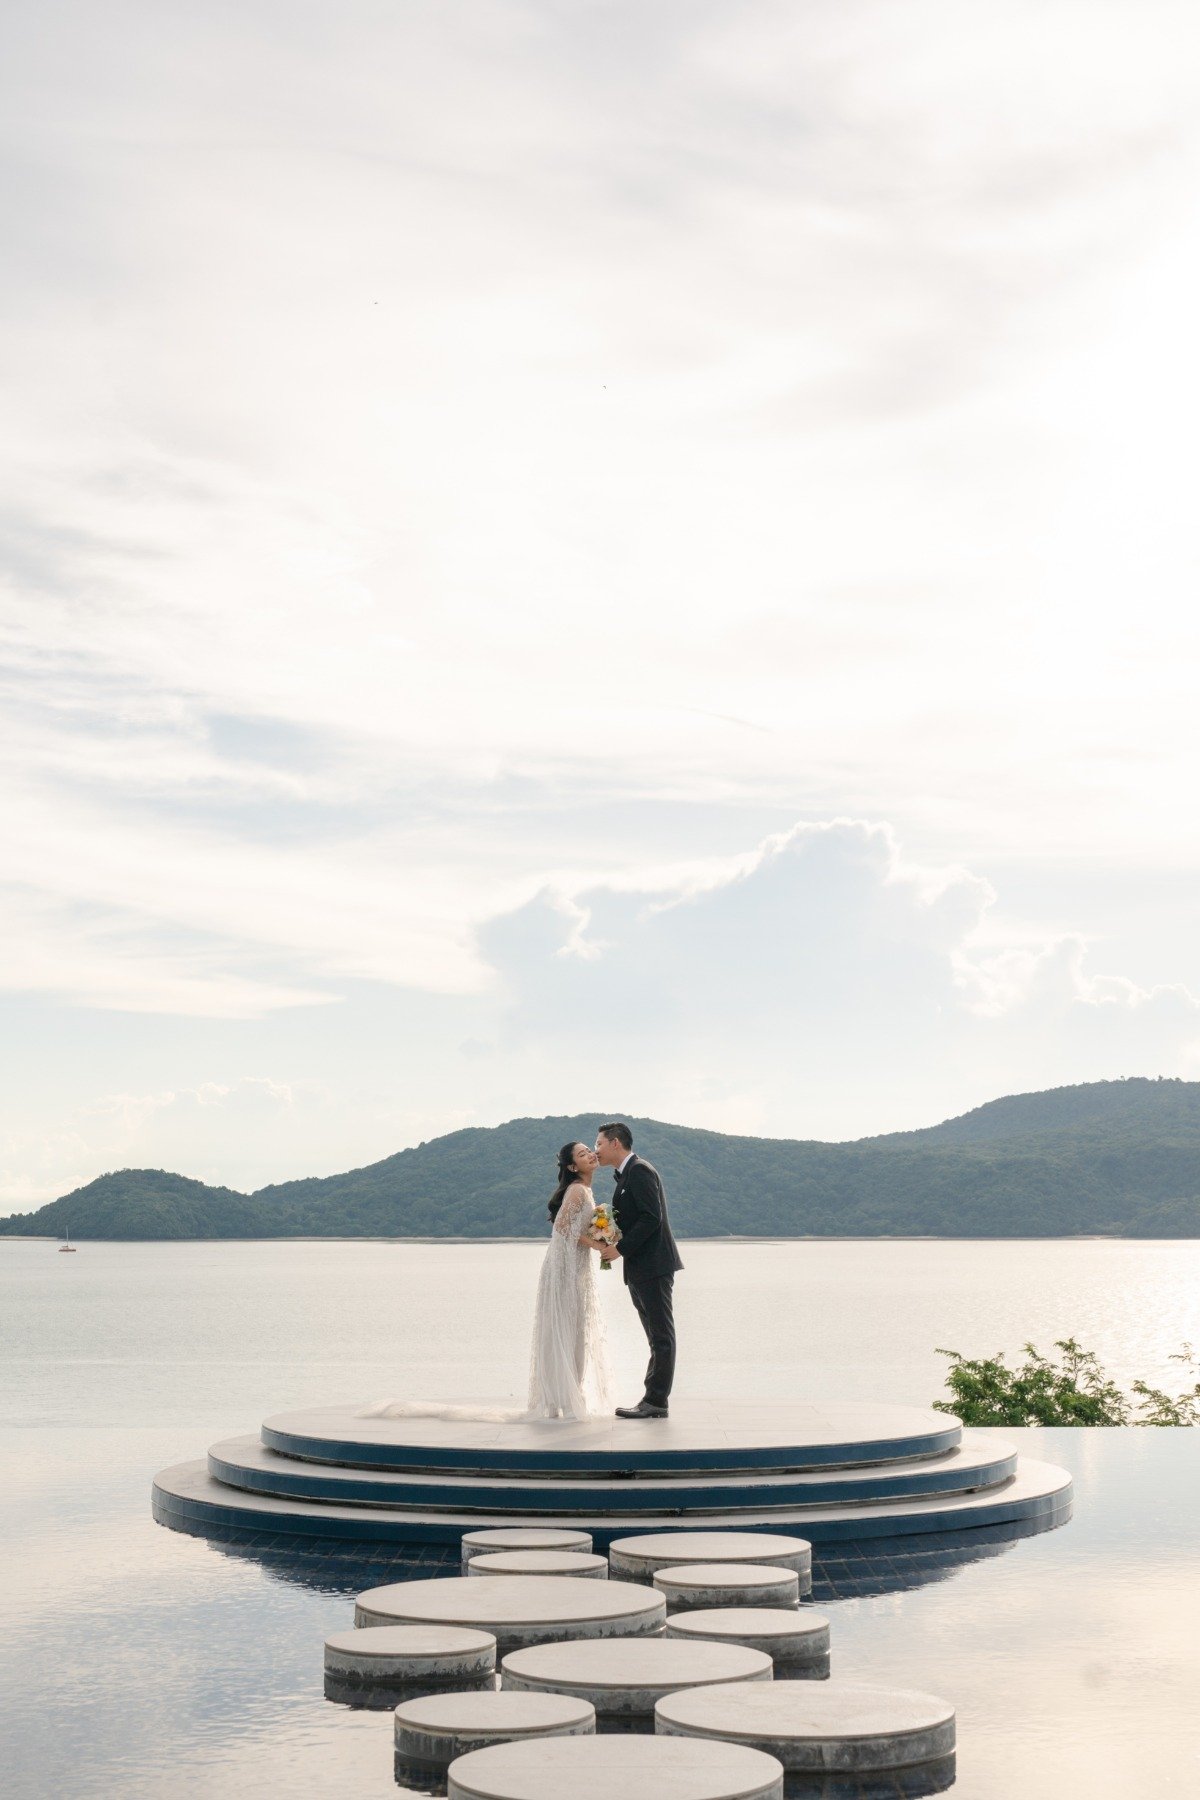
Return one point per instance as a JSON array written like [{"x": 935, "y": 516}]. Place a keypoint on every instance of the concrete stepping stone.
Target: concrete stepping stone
[
  {"x": 518, "y": 1609},
  {"x": 727, "y": 1584},
  {"x": 625, "y": 1677},
  {"x": 638, "y": 1558},
  {"x": 835, "y": 1727},
  {"x": 541, "y": 1562},
  {"x": 596, "y": 1768},
  {"x": 522, "y": 1537},
  {"x": 440, "y": 1727},
  {"x": 394, "y": 1654},
  {"x": 785, "y": 1634}
]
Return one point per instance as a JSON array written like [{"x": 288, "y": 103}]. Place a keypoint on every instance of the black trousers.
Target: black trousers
[{"x": 653, "y": 1295}]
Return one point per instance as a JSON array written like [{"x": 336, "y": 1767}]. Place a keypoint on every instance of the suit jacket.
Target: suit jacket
[{"x": 640, "y": 1209}]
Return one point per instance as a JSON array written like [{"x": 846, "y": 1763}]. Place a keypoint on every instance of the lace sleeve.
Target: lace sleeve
[{"x": 575, "y": 1213}]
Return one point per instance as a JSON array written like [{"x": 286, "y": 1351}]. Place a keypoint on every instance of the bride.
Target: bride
[{"x": 569, "y": 1373}]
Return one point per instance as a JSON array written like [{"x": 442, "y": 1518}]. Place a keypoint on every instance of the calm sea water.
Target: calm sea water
[
  {"x": 213, "y": 1334},
  {"x": 140, "y": 1662}
]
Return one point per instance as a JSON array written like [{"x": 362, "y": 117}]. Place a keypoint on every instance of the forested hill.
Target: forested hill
[{"x": 1114, "y": 1157}]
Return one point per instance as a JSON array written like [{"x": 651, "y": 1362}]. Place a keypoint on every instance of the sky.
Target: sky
[{"x": 589, "y": 556}]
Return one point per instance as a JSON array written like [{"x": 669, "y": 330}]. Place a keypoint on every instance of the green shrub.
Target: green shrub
[{"x": 1073, "y": 1390}]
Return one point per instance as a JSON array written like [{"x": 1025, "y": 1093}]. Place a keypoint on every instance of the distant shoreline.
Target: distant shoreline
[
  {"x": 1098, "y": 1161},
  {"x": 814, "y": 1237}
]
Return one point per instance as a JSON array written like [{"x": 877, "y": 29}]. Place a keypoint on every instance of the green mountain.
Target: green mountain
[{"x": 1120, "y": 1158}]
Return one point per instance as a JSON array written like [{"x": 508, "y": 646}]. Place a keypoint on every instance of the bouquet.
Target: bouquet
[{"x": 604, "y": 1226}]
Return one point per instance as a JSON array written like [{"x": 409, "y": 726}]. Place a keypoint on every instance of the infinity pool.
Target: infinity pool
[{"x": 138, "y": 1661}]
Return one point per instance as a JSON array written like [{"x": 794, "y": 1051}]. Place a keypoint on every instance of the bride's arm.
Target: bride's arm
[
  {"x": 571, "y": 1221},
  {"x": 586, "y": 1236},
  {"x": 574, "y": 1218}
]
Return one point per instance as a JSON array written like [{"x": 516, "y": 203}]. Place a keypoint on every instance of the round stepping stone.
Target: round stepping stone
[
  {"x": 522, "y": 1537},
  {"x": 787, "y": 1636},
  {"x": 541, "y": 1562},
  {"x": 518, "y": 1609},
  {"x": 440, "y": 1727},
  {"x": 727, "y": 1584},
  {"x": 626, "y": 1677},
  {"x": 596, "y": 1768},
  {"x": 394, "y": 1654},
  {"x": 640, "y": 1557},
  {"x": 832, "y": 1726}
]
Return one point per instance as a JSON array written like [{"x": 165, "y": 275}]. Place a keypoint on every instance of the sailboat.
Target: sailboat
[{"x": 68, "y": 1248}]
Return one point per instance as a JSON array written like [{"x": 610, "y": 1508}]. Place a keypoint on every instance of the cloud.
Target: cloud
[
  {"x": 480, "y": 456},
  {"x": 366, "y": 391},
  {"x": 1055, "y": 975},
  {"x": 820, "y": 983},
  {"x": 128, "y": 1114},
  {"x": 202, "y": 1131},
  {"x": 824, "y": 915},
  {"x": 793, "y": 982}
]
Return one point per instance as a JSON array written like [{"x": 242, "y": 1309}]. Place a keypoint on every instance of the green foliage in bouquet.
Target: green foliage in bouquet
[{"x": 1073, "y": 1389}]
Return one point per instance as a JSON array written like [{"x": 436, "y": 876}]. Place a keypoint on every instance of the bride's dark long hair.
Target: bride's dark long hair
[{"x": 567, "y": 1173}]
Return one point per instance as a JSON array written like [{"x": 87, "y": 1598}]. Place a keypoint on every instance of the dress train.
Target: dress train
[{"x": 570, "y": 1376}]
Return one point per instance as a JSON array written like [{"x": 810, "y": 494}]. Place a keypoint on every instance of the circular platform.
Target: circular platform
[
  {"x": 833, "y": 1726},
  {"x": 785, "y": 1634},
  {"x": 577, "y": 1563},
  {"x": 699, "y": 1435},
  {"x": 622, "y": 1678},
  {"x": 395, "y": 1654},
  {"x": 635, "y": 1768},
  {"x": 522, "y": 1537},
  {"x": 727, "y": 1584},
  {"x": 638, "y": 1558},
  {"x": 440, "y": 1727},
  {"x": 518, "y": 1609},
  {"x": 978, "y": 1461},
  {"x": 188, "y": 1497}
]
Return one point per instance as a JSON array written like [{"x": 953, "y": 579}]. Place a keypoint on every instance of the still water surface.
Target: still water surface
[
  {"x": 140, "y": 1662},
  {"x": 138, "y": 1334}
]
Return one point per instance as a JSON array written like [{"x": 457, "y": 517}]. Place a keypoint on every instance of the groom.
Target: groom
[{"x": 648, "y": 1252}]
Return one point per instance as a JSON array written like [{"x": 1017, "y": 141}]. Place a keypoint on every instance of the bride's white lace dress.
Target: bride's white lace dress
[{"x": 569, "y": 1372}]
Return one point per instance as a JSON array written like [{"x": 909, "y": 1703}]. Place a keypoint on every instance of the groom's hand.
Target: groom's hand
[{"x": 610, "y": 1253}]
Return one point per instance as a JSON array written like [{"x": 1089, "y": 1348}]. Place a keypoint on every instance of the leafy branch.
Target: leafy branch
[{"x": 1072, "y": 1389}]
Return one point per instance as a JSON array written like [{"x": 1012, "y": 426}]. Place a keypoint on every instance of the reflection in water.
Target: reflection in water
[
  {"x": 840, "y": 1571},
  {"x": 885, "y": 1784},
  {"x": 816, "y": 1669},
  {"x": 330, "y": 1566},
  {"x": 376, "y": 1696},
  {"x": 415, "y": 1779}
]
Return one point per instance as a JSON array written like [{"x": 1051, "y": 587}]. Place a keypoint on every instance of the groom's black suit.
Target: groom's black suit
[{"x": 650, "y": 1261}]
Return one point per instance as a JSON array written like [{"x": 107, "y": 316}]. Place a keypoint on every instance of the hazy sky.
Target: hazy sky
[{"x": 590, "y": 555}]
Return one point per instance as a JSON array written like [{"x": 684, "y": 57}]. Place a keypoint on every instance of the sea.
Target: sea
[{"x": 137, "y": 1661}]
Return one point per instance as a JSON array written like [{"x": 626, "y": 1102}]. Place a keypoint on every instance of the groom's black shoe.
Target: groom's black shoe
[{"x": 643, "y": 1410}]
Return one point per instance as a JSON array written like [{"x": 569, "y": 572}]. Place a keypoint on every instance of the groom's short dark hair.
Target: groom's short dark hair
[{"x": 616, "y": 1133}]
